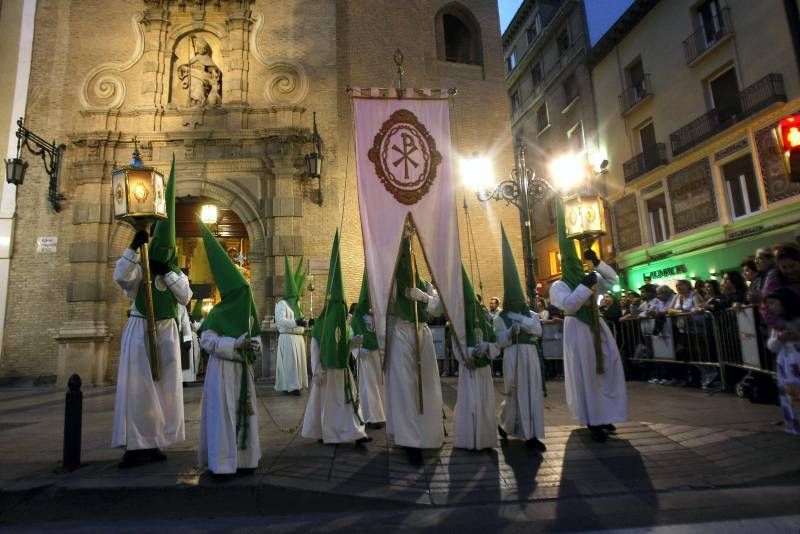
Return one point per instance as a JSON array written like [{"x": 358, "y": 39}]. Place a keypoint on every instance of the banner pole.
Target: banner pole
[{"x": 418, "y": 358}]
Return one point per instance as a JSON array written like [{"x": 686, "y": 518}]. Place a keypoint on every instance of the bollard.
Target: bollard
[{"x": 73, "y": 416}]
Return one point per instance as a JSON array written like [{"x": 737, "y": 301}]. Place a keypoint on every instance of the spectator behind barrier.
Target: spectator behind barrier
[
  {"x": 734, "y": 288},
  {"x": 700, "y": 288},
  {"x": 713, "y": 297},
  {"x": 686, "y": 300},
  {"x": 785, "y": 275},
  {"x": 765, "y": 262}
]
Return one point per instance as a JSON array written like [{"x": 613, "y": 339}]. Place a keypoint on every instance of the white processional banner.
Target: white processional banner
[{"x": 404, "y": 168}]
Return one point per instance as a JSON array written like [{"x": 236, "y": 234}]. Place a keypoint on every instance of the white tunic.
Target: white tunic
[
  {"x": 593, "y": 399},
  {"x": 404, "y": 424},
  {"x": 291, "y": 372},
  {"x": 328, "y": 417},
  {"x": 475, "y": 419},
  {"x": 148, "y": 414},
  {"x": 370, "y": 385},
  {"x": 522, "y": 409},
  {"x": 219, "y": 440}
]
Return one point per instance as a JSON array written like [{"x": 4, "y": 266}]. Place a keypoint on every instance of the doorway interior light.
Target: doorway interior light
[{"x": 209, "y": 214}]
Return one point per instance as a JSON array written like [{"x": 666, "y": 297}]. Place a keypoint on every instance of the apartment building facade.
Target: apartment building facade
[{"x": 687, "y": 95}]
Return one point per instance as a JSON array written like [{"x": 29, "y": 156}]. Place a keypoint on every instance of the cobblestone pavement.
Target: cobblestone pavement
[{"x": 678, "y": 440}]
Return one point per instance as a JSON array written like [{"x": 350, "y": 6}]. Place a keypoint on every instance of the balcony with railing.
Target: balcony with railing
[
  {"x": 634, "y": 95},
  {"x": 752, "y": 99},
  {"x": 711, "y": 33},
  {"x": 649, "y": 159}
]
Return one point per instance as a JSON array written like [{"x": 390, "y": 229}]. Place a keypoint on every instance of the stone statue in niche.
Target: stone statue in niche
[{"x": 201, "y": 77}]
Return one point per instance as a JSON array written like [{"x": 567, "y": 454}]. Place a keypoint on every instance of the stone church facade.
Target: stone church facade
[{"x": 228, "y": 87}]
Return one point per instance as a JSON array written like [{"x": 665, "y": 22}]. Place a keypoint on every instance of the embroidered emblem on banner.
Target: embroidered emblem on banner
[{"x": 405, "y": 157}]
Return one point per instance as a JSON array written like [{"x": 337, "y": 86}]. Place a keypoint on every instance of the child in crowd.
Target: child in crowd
[{"x": 785, "y": 342}]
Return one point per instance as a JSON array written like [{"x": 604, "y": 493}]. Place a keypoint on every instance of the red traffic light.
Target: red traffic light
[{"x": 789, "y": 128}]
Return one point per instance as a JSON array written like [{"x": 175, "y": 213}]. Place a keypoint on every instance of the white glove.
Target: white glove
[
  {"x": 482, "y": 349},
  {"x": 515, "y": 329},
  {"x": 414, "y": 293},
  {"x": 255, "y": 344},
  {"x": 241, "y": 341},
  {"x": 358, "y": 340},
  {"x": 319, "y": 377},
  {"x": 368, "y": 322}
]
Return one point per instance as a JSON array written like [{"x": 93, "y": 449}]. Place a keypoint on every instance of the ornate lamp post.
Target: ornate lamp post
[
  {"x": 520, "y": 189},
  {"x": 139, "y": 199}
]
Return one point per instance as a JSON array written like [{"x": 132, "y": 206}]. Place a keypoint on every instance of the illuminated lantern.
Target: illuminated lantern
[
  {"x": 138, "y": 193},
  {"x": 585, "y": 217}
]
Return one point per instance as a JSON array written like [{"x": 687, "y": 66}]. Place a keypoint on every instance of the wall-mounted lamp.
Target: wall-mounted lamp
[
  {"x": 314, "y": 159},
  {"x": 51, "y": 157}
]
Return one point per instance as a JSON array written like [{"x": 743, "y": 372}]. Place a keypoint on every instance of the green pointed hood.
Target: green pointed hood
[
  {"x": 474, "y": 318},
  {"x": 571, "y": 265},
  {"x": 290, "y": 292},
  {"x": 330, "y": 328},
  {"x": 300, "y": 279},
  {"x": 364, "y": 308},
  {"x": 236, "y": 313},
  {"x": 403, "y": 307},
  {"x": 162, "y": 245},
  {"x": 162, "y": 248},
  {"x": 513, "y": 295}
]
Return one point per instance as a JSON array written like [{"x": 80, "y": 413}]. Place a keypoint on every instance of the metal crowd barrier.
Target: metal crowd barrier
[{"x": 731, "y": 337}]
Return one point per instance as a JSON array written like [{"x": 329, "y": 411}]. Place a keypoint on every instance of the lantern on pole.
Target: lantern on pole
[
  {"x": 788, "y": 132},
  {"x": 139, "y": 200},
  {"x": 585, "y": 218}
]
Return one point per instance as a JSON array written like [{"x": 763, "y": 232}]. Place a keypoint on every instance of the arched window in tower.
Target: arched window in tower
[{"x": 458, "y": 35}]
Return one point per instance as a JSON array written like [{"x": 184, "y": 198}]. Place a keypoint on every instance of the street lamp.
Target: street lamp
[
  {"x": 521, "y": 188},
  {"x": 314, "y": 159},
  {"x": 51, "y": 157}
]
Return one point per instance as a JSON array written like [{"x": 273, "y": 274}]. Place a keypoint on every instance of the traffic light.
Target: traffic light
[{"x": 789, "y": 138}]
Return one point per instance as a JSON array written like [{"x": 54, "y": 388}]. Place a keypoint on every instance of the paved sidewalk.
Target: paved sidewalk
[{"x": 678, "y": 442}]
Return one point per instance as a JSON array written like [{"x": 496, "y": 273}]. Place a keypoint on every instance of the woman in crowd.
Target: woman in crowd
[
  {"x": 734, "y": 288},
  {"x": 713, "y": 300}
]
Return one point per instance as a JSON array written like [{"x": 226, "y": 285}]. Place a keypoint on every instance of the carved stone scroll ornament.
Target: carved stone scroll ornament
[
  {"x": 286, "y": 80},
  {"x": 103, "y": 88}
]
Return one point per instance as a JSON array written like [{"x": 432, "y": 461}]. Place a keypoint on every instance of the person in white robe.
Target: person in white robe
[
  {"x": 595, "y": 384},
  {"x": 189, "y": 344},
  {"x": 408, "y": 424},
  {"x": 518, "y": 330},
  {"x": 368, "y": 360},
  {"x": 148, "y": 413},
  {"x": 291, "y": 367},
  {"x": 332, "y": 413},
  {"x": 229, "y": 434},
  {"x": 475, "y": 419}
]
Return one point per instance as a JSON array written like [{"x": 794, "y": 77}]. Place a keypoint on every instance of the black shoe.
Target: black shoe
[
  {"x": 535, "y": 444},
  {"x": 155, "y": 455},
  {"x": 375, "y": 426},
  {"x": 503, "y": 433},
  {"x": 295, "y": 392},
  {"x": 414, "y": 456},
  {"x": 361, "y": 443},
  {"x": 246, "y": 471},
  {"x": 611, "y": 429},
  {"x": 132, "y": 459},
  {"x": 598, "y": 434}
]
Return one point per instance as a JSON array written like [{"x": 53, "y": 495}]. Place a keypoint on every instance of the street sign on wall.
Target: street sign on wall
[{"x": 46, "y": 244}]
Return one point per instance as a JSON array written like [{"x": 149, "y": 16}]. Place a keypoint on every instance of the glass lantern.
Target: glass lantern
[{"x": 138, "y": 193}]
